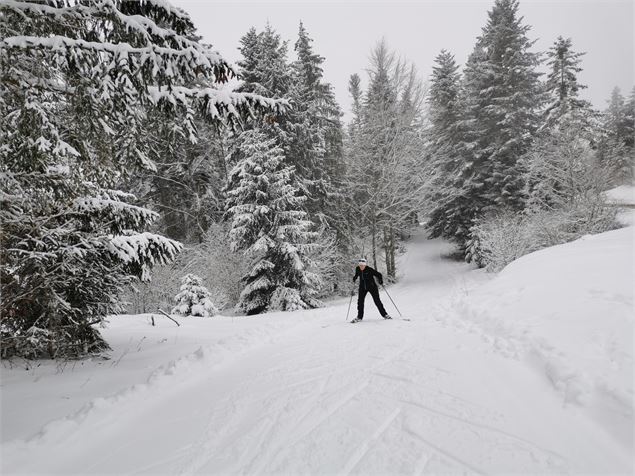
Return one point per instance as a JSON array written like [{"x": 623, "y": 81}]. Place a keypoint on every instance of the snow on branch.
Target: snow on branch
[
  {"x": 141, "y": 251},
  {"x": 217, "y": 103},
  {"x": 145, "y": 28},
  {"x": 121, "y": 214},
  {"x": 203, "y": 59}
]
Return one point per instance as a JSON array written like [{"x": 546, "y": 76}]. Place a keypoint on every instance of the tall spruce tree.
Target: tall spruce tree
[
  {"x": 264, "y": 69},
  {"x": 463, "y": 200},
  {"x": 444, "y": 140},
  {"x": 269, "y": 225},
  {"x": 316, "y": 149},
  {"x": 562, "y": 86},
  {"x": 316, "y": 143},
  {"x": 502, "y": 97},
  {"x": 75, "y": 103},
  {"x": 310, "y": 134}
]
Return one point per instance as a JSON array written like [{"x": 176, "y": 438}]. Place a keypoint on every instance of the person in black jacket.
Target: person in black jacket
[{"x": 367, "y": 284}]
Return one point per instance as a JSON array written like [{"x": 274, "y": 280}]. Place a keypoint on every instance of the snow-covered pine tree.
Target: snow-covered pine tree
[
  {"x": 264, "y": 68},
  {"x": 194, "y": 299},
  {"x": 562, "y": 86},
  {"x": 355, "y": 90},
  {"x": 502, "y": 99},
  {"x": 316, "y": 151},
  {"x": 269, "y": 225},
  {"x": 615, "y": 115},
  {"x": 316, "y": 140},
  {"x": 616, "y": 145},
  {"x": 310, "y": 134},
  {"x": 73, "y": 126},
  {"x": 443, "y": 96},
  {"x": 443, "y": 146}
]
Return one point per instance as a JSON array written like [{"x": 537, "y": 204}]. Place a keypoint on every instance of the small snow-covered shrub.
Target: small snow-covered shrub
[{"x": 194, "y": 298}]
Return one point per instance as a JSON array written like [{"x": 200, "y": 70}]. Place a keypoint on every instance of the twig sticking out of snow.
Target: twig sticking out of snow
[{"x": 169, "y": 317}]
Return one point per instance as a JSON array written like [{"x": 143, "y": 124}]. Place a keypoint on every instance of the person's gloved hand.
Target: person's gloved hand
[
  {"x": 381, "y": 281},
  {"x": 353, "y": 292}
]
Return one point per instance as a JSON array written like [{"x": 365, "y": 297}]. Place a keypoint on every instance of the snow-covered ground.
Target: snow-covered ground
[
  {"x": 623, "y": 195},
  {"x": 528, "y": 371},
  {"x": 624, "y": 198}
]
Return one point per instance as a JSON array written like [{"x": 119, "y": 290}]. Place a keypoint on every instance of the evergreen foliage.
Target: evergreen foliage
[
  {"x": 316, "y": 145},
  {"x": 479, "y": 138},
  {"x": 443, "y": 146},
  {"x": 270, "y": 227},
  {"x": 562, "y": 86},
  {"x": 503, "y": 96},
  {"x": 310, "y": 134},
  {"x": 194, "y": 299},
  {"x": 83, "y": 82}
]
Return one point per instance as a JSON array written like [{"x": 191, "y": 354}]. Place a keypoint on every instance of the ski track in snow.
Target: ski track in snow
[{"x": 319, "y": 397}]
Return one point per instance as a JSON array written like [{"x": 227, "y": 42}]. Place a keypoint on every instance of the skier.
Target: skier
[{"x": 367, "y": 285}]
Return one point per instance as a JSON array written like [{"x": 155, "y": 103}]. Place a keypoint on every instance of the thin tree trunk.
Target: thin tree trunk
[
  {"x": 393, "y": 268},
  {"x": 374, "y": 232},
  {"x": 223, "y": 155},
  {"x": 386, "y": 250}
]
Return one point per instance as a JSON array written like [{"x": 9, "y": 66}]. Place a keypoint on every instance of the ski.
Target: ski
[{"x": 356, "y": 321}]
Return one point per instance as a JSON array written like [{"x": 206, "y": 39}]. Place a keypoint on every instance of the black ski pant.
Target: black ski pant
[{"x": 374, "y": 292}]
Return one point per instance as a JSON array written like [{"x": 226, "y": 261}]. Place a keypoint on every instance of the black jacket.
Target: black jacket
[{"x": 366, "y": 280}]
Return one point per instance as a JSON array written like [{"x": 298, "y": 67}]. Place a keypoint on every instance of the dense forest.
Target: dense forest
[{"x": 138, "y": 165}]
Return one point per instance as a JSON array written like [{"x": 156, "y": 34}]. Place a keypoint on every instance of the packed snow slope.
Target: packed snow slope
[{"x": 530, "y": 371}]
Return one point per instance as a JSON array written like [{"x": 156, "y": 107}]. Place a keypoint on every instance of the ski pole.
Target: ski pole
[
  {"x": 393, "y": 302},
  {"x": 349, "y": 303}
]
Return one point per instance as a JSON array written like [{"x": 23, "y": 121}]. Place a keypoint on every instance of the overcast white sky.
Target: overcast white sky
[{"x": 344, "y": 32}]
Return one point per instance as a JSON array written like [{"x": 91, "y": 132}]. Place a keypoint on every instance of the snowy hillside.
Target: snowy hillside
[
  {"x": 528, "y": 371},
  {"x": 568, "y": 311}
]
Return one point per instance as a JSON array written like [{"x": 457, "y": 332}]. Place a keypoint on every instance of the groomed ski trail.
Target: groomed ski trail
[{"x": 326, "y": 397}]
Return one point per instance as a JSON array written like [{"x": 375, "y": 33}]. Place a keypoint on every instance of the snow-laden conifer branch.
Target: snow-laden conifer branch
[
  {"x": 139, "y": 252},
  {"x": 84, "y": 86}
]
